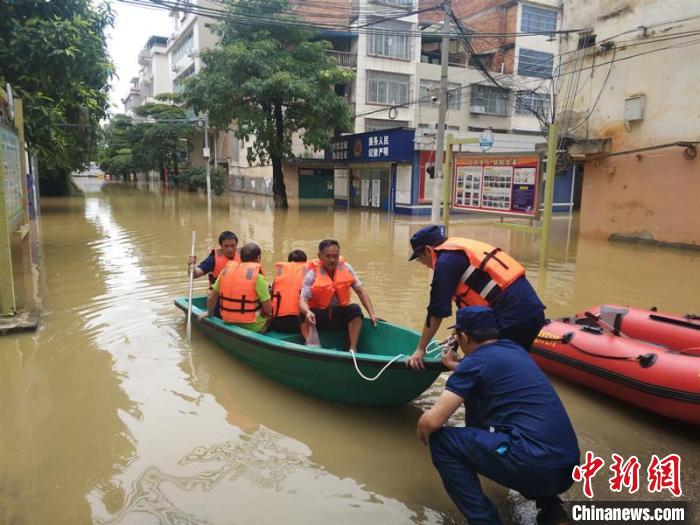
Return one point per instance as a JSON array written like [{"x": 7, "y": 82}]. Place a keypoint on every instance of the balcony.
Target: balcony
[{"x": 344, "y": 58}]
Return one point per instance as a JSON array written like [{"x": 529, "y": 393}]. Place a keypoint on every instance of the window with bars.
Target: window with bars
[
  {"x": 183, "y": 48},
  {"x": 387, "y": 88},
  {"x": 389, "y": 38},
  {"x": 535, "y": 63},
  {"x": 402, "y": 3},
  {"x": 489, "y": 100},
  {"x": 538, "y": 19},
  {"x": 430, "y": 88},
  {"x": 529, "y": 102}
]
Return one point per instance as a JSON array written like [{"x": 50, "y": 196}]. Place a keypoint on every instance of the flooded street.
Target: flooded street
[{"x": 109, "y": 416}]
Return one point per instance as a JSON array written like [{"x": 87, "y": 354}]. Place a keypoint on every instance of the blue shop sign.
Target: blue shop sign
[{"x": 392, "y": 145}]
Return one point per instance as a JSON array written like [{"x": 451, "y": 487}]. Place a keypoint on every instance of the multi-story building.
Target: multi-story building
[
  {"x": 154, "y": 77},
  {"x": 191, "y": 35},
  {"x": 133, "y": 98},
  {"x": 404, "y": 69},
  {"x": 634, "y": 120}
]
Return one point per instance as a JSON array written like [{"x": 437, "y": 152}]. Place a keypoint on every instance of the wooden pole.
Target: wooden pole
[{"x": 189, "y": 295}]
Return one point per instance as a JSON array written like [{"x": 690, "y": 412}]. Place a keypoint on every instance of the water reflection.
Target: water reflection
[{"x": 109, "y": 416}]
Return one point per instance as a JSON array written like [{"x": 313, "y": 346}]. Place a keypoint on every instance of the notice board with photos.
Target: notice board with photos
[
  {"x": 504, "y": 183},
  {"x": 12, "y": 179}
]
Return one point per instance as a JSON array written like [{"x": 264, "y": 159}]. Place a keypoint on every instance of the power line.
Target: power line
[{"x": 252, "y": 19}]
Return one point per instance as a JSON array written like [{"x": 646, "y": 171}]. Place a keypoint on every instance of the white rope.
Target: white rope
[{"x": 438, "y": 347}]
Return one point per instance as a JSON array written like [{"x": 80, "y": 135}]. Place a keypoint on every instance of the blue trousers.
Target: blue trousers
[{"x": 460, "y": 454}]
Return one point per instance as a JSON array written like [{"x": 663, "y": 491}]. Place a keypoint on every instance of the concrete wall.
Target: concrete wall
[
  {"x": 653, "y": 197},
  {"x": 161, "y": 73},
  {"x": 256, "y": 179},
  {"x": 655, "y": 194}
]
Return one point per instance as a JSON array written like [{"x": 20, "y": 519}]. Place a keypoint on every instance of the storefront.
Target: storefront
[{"x": 373, "y": 169}]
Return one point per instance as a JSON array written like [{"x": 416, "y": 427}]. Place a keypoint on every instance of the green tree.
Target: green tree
[
  {"x": 116, "y": 156},
  {"x": 54, "y": 54},
  {"x": 160, "y": 140},
  {"x": 274, "y": 79}
]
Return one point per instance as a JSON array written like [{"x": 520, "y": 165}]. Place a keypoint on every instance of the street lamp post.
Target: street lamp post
[{"x": 206, "y": 158}]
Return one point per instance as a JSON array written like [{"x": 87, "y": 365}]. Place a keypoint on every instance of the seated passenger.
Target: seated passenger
[
  {"x": 286, "y": 289},
  {"x": 241, "y": 292},
  {"x": 218, "y": 258},
  {"x": 325, "y": 295}
]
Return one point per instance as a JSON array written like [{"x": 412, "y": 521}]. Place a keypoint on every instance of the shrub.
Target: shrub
[{"x": 195, "y": 179}]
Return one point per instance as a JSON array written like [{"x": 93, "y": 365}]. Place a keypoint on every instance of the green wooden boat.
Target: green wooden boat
[{"x": 329, "y": 371}]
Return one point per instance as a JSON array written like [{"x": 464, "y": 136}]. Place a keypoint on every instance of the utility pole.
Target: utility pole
[
  {"x": 442, "y": 114},
  {"x": 206, "y": 158}
]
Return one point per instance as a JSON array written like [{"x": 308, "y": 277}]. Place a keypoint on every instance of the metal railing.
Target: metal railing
[{"x": 344, "y": 58}]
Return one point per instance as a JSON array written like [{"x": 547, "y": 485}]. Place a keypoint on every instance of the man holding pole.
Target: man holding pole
[{"x": 473, "y": 273}]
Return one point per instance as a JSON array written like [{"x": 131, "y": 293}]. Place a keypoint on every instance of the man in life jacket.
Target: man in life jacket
[
  {"x": 242, "y": 293},
  {"x": 286, "y": 290},
  {"x": 325, "y": 295},
  {"x": 473, "y": 273},
  {"x": 218, "y": 258},
  {"x": 517, "y": 432}
]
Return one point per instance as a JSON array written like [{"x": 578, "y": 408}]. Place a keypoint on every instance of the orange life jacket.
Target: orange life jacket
[
  {"x": 490, "y": 271},
  {"x": 220, "y": 262},
  {"x": 324, "y": 288},
  {"x": 238, "y": 299},
  {"x": 286, "y": 288}
]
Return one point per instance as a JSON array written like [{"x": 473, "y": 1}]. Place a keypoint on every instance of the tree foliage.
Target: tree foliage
[
  {"x": 156, "y": 140},
  {"x": 54, "y": 54},
  {"x": 274, "y": 80}
]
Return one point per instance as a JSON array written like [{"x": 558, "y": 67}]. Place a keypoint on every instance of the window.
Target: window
[
  {"x": 389, "y": 39},
  {"x": 179, "y": 82},
  {"x": 183, "y": 48},
  {"x": 402, "y": 3},
  {"x": 529, "y": 102},
  {"x": 535, "y": 63},
  {"x": 537, "y": 19},
  {"x": 489, "y": 100},
  {"x": 429, "y": 88},
  {"x": 379, "y": 124},
  {"x": 387, "y": 88}
]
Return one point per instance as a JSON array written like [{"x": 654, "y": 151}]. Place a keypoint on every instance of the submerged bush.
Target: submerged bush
[{"x": 195, "y": 179}]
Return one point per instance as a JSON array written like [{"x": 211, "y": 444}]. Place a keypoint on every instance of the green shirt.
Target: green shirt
[{"x": 263, "y": 292}]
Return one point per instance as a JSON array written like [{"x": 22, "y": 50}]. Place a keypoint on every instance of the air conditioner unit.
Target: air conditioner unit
[
  {"x": 477, "y": 109},
  {"x": 175, "y": 68}
]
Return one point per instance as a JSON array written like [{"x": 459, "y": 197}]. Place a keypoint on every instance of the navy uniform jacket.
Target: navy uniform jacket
[{"x": 504, "y": 391}]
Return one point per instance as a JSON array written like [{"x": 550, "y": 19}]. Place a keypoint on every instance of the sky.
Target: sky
[{"x": 132, "y": 28}]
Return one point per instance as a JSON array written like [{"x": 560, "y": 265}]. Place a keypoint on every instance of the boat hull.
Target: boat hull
[
  {"x": 328, "y": 374},
  {"x": 672, "y": 331},
  {"x": 668, "y": 387}
]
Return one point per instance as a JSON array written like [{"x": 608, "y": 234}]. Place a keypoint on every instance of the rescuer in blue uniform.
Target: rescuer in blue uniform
[
  {"x": 473, "y": 273},
  {"x": 517, "y": 431}
]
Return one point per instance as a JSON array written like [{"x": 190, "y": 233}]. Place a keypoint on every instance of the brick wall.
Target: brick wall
[{"x": 486, "y": 16}]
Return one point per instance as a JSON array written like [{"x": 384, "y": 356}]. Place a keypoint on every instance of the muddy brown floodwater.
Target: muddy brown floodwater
[{"x": 108, "y": 416}]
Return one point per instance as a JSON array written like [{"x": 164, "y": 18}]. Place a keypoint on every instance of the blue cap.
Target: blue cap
[
  {"x": 430, "y": 235},
  {"x": 475, "y": 319}
]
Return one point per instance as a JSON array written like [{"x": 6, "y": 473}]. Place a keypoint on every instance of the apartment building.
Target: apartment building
[
  {"x": 154, "y": 75},
  {"x": 394, "y": 69},
  {"x": 635, "y": 119}
]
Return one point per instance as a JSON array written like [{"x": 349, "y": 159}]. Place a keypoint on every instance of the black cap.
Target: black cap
[
  {"x": 477, "y": 318},
  {"x": 430, "y": 235}
]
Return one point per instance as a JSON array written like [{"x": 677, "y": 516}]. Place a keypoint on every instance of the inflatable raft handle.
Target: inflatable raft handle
[{"x": 647, "y": 360}]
